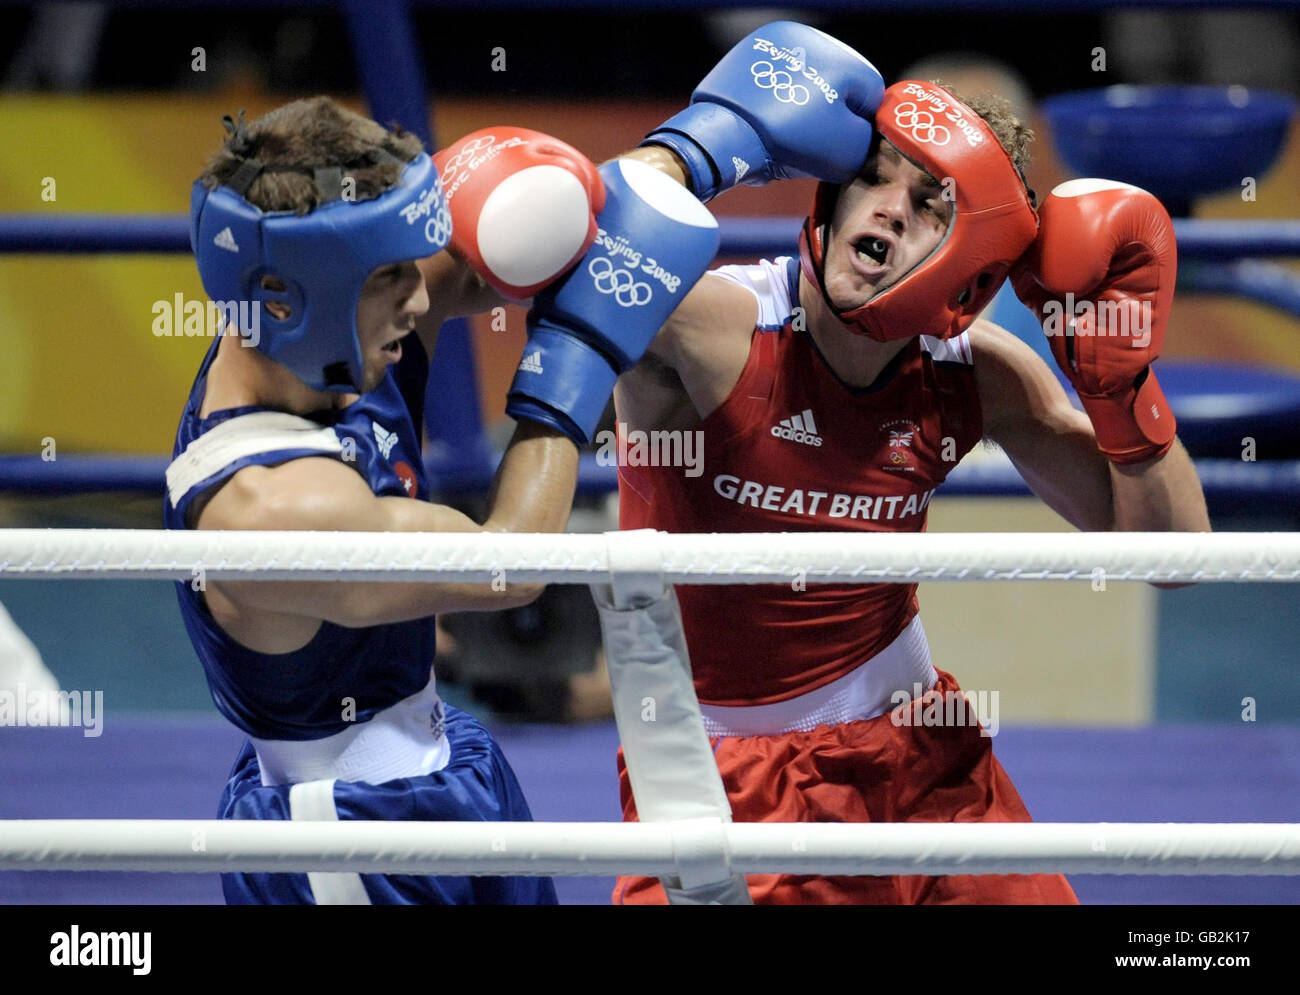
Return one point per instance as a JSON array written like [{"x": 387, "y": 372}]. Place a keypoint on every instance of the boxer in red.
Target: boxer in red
[{"x": 836, "y": 390}]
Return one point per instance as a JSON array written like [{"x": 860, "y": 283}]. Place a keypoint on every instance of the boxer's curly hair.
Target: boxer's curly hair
[
  {"x": 1014, "y": 134},
  {"x": 300, "y": 137}
]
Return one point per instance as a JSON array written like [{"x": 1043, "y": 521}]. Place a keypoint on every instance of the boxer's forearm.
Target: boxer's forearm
[
  {"x": 663, "y": 159},
  {"x": 1160, "y": 495},
  {"x": 533, "y": 488}
]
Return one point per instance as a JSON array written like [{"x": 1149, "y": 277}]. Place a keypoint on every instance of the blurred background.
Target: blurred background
[{"x": 112, "y": 108}]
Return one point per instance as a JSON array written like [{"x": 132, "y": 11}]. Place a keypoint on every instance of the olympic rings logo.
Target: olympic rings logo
[
  {"x": 921, "y": 124},
  {"x": 781, "y": 83},
  {"x": 627, "y": 290},
  {"x": 467, "y": 152},
  {"x": 438, "y": 228}
]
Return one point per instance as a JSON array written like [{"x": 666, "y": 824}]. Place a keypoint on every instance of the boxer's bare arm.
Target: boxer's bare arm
[
  {"x": 1028, "y": 414},
  {"x": 1053, "y": 445},
  {"x": 701, "y": 351},
  {"x": 533, "y": 492},
  {"x": 663, "y": 159},
  {"x": 694, "y": 362}
]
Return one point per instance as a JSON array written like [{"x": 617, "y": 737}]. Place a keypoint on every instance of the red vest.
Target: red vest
[{"x": 792, "y": 449}]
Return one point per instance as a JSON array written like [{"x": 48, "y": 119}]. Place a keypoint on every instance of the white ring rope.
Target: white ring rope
[
  {"x": 585, "y": 848},
  {"x": 742, "y": 558},
  {"x": 652, "y": 849}
]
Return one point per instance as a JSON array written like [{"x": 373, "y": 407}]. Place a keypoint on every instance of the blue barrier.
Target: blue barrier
[
  {"x": 1250, "y": 278},
  {"x": 94, "y": 233},
  {"x": 169, "y": 233},
  {"x": 1198, "y": 241},
  {"x": 1229, "y": 484}
]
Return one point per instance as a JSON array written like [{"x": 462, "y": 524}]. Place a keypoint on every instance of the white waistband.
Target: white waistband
[
  {"x": 862, "y": 693},
  {"x": 404, "y": 740}
]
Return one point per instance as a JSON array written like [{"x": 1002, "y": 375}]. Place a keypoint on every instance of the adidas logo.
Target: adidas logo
[
  {"x": 225, "y": 240},
  {"x": 532, "y": 364},
  {"x": 742, "y": 167},
  {"x": 384, "y": 439},
  {"x": 798, "y": 428}
]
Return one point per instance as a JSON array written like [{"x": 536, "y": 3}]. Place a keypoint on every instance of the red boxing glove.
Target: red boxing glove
[
  {"x": 523, "y": 206},
  {"x": 1100, "y": 278}
]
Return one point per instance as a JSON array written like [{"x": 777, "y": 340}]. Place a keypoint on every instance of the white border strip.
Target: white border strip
[
  {"x": 576, "y": 848},
  {"x": 742, "y": 558},
  {"x": 313, "y": 801}
]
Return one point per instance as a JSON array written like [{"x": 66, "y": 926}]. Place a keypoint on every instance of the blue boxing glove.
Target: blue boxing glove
[
  {"x": 654, "y": 241},
  {"x": 788, "y": 101}
]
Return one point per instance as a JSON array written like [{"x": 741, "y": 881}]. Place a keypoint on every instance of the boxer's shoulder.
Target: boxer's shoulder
[
  {"x": 706, "y": 341},
  {"x": 310, "y": 492},
  {"x": 987, "y": 338},
  {"x": 716, "y": 308},
  {"x": 770, "y": 284}
]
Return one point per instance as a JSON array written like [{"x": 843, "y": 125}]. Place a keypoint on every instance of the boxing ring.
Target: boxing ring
[
  {"x": 632, "y": 560},
  {"x": 140, "y": 806}
]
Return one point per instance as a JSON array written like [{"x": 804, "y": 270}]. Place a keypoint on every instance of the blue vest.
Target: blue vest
[{"x": 342, "y": 676}]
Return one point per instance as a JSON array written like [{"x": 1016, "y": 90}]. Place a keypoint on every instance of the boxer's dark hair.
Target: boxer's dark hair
[{"x": 298, "y": 138}]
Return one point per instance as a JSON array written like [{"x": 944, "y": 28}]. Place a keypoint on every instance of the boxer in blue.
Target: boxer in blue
[{"x": 326, "y": 240}]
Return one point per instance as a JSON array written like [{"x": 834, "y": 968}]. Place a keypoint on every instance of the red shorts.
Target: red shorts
[{"x": 870, "y": 771}]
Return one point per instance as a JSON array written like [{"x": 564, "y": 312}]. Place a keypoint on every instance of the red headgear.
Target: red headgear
[{"x": 992, "y": 225}]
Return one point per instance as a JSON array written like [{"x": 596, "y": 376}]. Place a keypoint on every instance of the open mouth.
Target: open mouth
[
  {"x": 394, "y": 348},
  {"x": 871, "y": 250}
]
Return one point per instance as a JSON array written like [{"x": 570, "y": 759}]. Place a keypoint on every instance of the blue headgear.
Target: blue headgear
[{"x": 322, "y": 258}]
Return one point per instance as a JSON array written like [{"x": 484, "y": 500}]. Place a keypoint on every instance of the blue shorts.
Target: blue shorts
[{"x": 477, "y": 785}]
